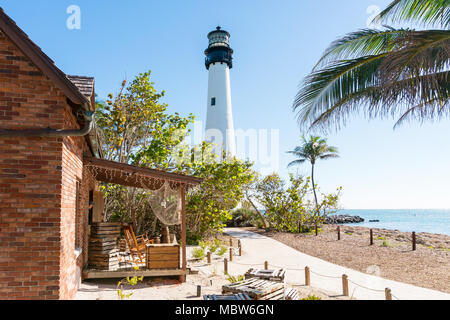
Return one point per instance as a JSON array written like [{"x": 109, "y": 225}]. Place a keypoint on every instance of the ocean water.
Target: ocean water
[{"x": 419, "y": 220}]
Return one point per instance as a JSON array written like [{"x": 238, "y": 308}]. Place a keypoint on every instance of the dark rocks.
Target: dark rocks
[{"x": 343, "y": 218}]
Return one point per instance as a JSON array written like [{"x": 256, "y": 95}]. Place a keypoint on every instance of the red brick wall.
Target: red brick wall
[
  {"x": 72, "y": 171},
  {"x": 37, "y": 183}
]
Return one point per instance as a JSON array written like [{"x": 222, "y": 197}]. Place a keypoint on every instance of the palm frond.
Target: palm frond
[
  {"x": 425, "y": 12},
  {"x": 296, "y": 162},
  {"x": 431, "y": 97},
  {"x": 413, "y": 73},
  {"x": 364, "y": 42},
  {"x": 329, "y": 156},
  {"x": 422, "y": 52},
  {"x": 326, "y": 88},
  {"x": 313, "y": 149}
]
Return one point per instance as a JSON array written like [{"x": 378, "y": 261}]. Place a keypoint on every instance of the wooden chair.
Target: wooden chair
[{"x": 136, "y": 245}]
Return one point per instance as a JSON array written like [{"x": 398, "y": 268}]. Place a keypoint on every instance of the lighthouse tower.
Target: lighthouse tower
[{"x": 219, "y": 119}]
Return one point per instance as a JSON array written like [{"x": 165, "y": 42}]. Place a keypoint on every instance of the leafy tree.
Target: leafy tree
[
  {"x": 289, "y": 209},
  {"x": 311, "y": 150},
  {"x": 394, "y": 71},
  {"x": 209, "y": 206},
  {"x": 136, "y": 128},
  {"x": 250, "y": 190}
]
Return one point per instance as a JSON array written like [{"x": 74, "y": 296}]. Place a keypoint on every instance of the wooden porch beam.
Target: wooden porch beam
[{"x": 183, "y": 231}]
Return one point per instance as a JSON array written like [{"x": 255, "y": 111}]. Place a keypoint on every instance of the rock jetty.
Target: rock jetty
[{"x": 343, "y": 218}]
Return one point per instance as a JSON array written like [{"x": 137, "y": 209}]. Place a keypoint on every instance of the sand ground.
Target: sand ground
[{"x": 428, "y": 266}]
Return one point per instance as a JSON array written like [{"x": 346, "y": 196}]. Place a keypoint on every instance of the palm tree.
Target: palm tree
[
  {"x": 311, "y": 150},
  {"x": 394, "y": 71}
]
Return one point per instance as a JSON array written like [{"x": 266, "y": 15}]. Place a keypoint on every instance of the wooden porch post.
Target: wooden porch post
[{"x": 183, "y": 231}]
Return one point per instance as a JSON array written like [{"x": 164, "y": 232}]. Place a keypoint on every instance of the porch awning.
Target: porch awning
[{"x": 134, "y": 176}]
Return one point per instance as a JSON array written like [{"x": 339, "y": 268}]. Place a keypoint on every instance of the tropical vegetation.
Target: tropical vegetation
[
  {"x": 290, "y": 208},
  {"x": 312, "y": 150},
  {"x": 398, "y": 70},
  {"x": 136, "y": 128}
]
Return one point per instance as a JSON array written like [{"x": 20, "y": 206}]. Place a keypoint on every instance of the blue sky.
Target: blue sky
[{"x": 276, "y": 44}]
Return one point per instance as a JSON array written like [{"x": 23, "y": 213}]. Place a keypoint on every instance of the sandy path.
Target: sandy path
[
  {"x": 428, "y": 266},
  {"x": 325, "y": 275}
]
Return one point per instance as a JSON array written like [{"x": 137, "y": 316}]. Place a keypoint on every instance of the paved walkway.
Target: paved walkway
[{"x": 324, "y": 275}]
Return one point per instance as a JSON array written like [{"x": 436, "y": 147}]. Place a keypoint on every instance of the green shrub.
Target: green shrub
[
  {"x": 385, "y": 244},
  {"x": 203, "y": 244},
  {"x": 234, "y": 279},
  {"x": 198, "y": 253},
  {"x": 214, "y": 245},
  {"x": 244, "y": 218},
  {"x": 312, "y": 297},
  {"x": 381, "y": 238},
  {"x": 313, "y": 231},
  {"x": 131, "y": 281},
  {"x": 222, "y": 250},
  {"x": 193, "y": 239}
]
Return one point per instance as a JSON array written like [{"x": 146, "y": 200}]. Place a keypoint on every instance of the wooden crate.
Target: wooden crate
[
  {"x": 271, "y": 274},
  {"x": 292, "y": 294},
  {"x": 102, "y": 248},
  {"x": 256, "y": 289},
  {"x": 163, "y": 256},
  {"x": 106, "y": 230}
]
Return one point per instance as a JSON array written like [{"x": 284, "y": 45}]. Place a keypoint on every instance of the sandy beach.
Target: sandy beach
[{"x": 391, "y": 254}]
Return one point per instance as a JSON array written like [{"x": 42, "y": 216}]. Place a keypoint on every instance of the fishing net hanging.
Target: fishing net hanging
[{"x": 166, "y": 204}]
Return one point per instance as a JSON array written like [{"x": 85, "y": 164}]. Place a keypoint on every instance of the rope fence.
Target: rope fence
[
  {"x": 307, "y": 270},
  {"x": 322, "y": 275}
]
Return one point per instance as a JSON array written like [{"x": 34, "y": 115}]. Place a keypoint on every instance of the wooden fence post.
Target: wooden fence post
[
  {"x": 240, "y": 251},
  {"x": 199, "y": 291},
  {"x": 371, "y": 237},
  {"x": 209, "y": 257},
  {"x": 231, "y": 242},
  {"x": 225, "y": 266},
  {"x": 307, "y": 276},
  {"x": 345, "y": 285},
  {"x": 239, "y": 243},
  {"x": 414, "y": 241},
  {"x": 388, "y": 294},
  {"x": 231, "y": 254},
  {"x": 266, "y": 265},
  {"x": 339, "y": 232}
]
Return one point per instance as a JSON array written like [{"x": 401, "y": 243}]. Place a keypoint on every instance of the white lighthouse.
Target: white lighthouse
[{"x": 219, "y": 119}]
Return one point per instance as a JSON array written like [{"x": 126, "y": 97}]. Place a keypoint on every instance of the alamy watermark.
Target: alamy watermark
[
  {"x": 260, "y": 146},
  {"x": 73, "y": 22}
]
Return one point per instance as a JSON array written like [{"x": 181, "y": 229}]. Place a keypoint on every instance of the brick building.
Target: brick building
[
  {"x": 47, "y": 135},
  {"x": 44, "y": 190},
  {"x": 49, "y": 195}
]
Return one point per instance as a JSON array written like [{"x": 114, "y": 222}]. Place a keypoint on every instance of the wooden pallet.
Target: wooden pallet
[
  {"x": 102, "y": 248},
  {"x": 256, "y": 289},
  {"x": 271, "y": 274},
  {"x": 292, "y": 294},
  {"x": 239, "y": 296}
]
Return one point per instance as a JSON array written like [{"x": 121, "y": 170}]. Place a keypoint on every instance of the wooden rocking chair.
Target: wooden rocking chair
[{"x": 136, "y": 245}]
